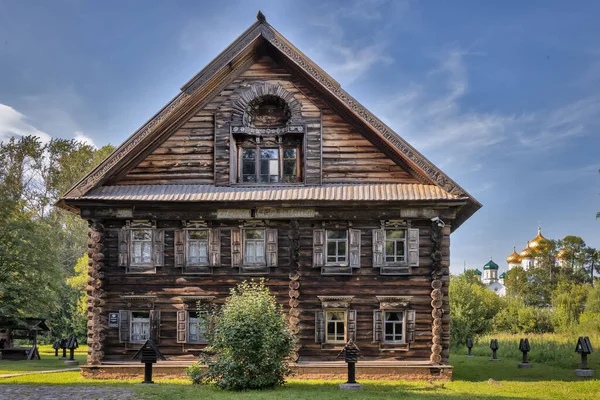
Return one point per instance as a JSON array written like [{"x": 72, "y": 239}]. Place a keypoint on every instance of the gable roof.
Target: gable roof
[{"x": 233, "y": 59}]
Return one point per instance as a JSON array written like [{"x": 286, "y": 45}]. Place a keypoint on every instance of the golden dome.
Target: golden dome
[
  {"x": 527, "y": 252},
  {"x": 514, "y": 258},
  {"x": 539, "y": 242},
  {"x": 561, "y": 254}
]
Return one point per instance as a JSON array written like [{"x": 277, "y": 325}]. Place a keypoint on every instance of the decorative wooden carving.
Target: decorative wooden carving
[
  {"x": 335, "y": 301},
  {"x": 436, "y": 294},
  {"x": 393, "y": 302},
  {"x": 97, "y": 320},
  {"x": 294, "y": 293}
]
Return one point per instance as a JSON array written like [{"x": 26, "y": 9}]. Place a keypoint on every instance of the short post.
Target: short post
[
  {"x": 56, "y": 346},
  {"x": 469, "y": 346},
  {"x": 72, "y": 345},
  {"x": 494, "y": 346},
  {"x": 351, "y": 354},
  {"x": 525, "y": 348},
  {"x": 584, "y": 347},
  {"x": 63, "y": 346},
  {"x": 149, "y": 355}
]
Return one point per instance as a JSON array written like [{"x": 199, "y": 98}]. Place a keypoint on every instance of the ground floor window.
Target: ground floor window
[
  {"x": 394, "y": 327},
  {"x": 140, "y": 326},
  {"x": 335, "y": 327}
]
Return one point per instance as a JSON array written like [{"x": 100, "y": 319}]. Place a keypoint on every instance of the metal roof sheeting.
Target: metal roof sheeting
[{"x": 331, "y": 192}]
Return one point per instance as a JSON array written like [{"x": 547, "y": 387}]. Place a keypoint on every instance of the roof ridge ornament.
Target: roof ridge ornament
[{"x": 260, "y": 17}]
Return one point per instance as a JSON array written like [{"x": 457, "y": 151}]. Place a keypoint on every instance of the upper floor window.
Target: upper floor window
[
  {"x": 254, "y": 244},
  {"x": 261, "y": 164},
  {"x": 337, "y": 247},
  {"x": 336, "y": 251},
  {"x": 395, "y": 245},
  {"x": 141, "y": 246},
  {"x": 254, "y": 250},
  {"x": 197, "y": 247}
]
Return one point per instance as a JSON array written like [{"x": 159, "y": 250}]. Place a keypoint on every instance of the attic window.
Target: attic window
[{"x": 267, "y": 111}]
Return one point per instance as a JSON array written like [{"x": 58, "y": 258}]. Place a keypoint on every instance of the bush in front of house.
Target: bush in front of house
[{"x": 250, "y": 343}]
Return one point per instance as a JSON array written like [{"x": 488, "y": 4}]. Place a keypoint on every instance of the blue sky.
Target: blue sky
[{"x": 504, "y": 96}]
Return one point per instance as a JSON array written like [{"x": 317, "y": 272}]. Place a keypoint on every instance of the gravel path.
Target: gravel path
[{"x": 62, "y": 392}]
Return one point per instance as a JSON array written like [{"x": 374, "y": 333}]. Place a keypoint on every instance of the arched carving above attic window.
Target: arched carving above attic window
[{"x": 267, "y": 109}]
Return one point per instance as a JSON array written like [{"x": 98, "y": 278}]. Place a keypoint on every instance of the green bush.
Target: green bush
[
  {"x": 516, "y": 317},
  {"x": 250, "y": 342}
]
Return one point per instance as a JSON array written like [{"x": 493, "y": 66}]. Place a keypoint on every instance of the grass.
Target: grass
[
  {"x": 471, "y": 375},
  {"x": 48, "y": 361}
]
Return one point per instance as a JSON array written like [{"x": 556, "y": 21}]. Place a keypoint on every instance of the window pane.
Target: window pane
[
  {"x": 248, "y": 153},
  {"x": 289, "y": 153},
  {"x": 331, "y": 249},
  {"x": 250, "y": 253},
  {"x": 394, "y": 234},
  {"x": 249, "y": 178},
  {"x": 198, "y": 235},
  {"x": 269, "y": 153},
  {"x": 400, "y": 250},
  {"x": 248, "y": 167},
  {"x": 341, "y": 250},
  {"x": 289, "y": 167},
  {"x": 389, "y": 329},
  {"x": 260, "y": 252},
  {"x": 254, "y": 234},
  {"x": 146, "y": 252},
  {"x": 389, "y": 247},
  {"x": 336, "y": 234}
]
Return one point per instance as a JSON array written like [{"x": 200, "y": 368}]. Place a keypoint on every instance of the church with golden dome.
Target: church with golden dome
[{"x": 526, "y": 258}]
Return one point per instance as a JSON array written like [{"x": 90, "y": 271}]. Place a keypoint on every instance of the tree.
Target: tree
[
  {"x": 251, "y": 341},
  {"x": 568, "y": 302},
  {"x": 516, "y": 283}
]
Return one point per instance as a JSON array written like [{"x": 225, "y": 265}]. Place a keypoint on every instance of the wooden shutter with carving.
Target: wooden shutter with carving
[
  {"x": 182, "y": 325},
  {"x": 124, "y": 319},
  {"x": 236, "y": 247},
  {"x": 410, "y": 325},
  {"x": 124, "y": 235},
  {"x": 378, "y": 248},
  {"x": 318, "y": 248},
  {"x": 271, "y": 248},
  {"x": 413, "y": 247},
  {"x": 158, "y": 247},
  {"x": 180, "y": 248},
  {"x": 378, "y": 326},
  {"x": 354, "y": 252},
  {"x": 320, "y": 327},
  {"x": 351, "y": 329},
  {"x": 214, "y": 247}
]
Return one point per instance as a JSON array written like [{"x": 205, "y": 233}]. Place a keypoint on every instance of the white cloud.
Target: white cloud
[
  {"x": 13, "y": 123},
  {"x": 82, "y": 137}
]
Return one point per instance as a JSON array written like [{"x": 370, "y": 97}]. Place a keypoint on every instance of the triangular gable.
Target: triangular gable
[{"x": 236, "y": 58}]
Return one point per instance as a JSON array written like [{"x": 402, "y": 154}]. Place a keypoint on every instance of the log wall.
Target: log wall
[{"x": 168, "y": 284}]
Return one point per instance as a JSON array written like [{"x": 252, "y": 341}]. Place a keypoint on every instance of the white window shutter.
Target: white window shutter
[
  {"x": 214, "y": 247},
  {"x": 179, "y": 248},
  {"x": 413, "y": 247},
  {"x": 271, "y": 250},
  {"x": 182, "y": 325},
  {"x": 354, "y": 243},
  {"x": 318, "y": 248}
]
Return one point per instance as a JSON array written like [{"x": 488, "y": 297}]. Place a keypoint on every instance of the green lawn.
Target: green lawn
[
  {"x": 48, "y": 361},
  {"x": 470, "y": 382}
]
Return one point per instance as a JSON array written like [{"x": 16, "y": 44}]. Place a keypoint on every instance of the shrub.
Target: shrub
[{"x": 250, "y": 342}]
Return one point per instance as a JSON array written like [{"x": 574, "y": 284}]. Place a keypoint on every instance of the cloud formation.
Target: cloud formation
[{"x": 13, "y": 123}]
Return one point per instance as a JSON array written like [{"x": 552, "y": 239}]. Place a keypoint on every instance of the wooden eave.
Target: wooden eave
[{"x": 222, "y": 70}]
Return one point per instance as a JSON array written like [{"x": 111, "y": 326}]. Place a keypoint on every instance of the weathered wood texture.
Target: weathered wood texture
[
  {"x": 169, "y": 284},
  {"x": 334, "y": 151}
]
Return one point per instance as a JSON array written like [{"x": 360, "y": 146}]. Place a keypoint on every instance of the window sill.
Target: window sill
[
  {"x": 328, "y": 270},
  {"x": 141, "y": 271},
  {"x": 395, "y": 270},
  {"x": 394, "y": 346}
]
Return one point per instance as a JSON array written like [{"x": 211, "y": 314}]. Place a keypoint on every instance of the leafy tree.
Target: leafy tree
[
  {"x": 568, "y": 302},
  {"x": 516, "y": 282},
  {"x": 250, "y": 340}
]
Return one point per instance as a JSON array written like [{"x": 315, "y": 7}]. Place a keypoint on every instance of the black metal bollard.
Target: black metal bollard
[
  {"x": 494, "y": 346},
  {"x": 470, "y": 346},
  {"x": 148, "y": 373},
  {"x": 63, "y": 346},
  {"x": 525, "y": 348}
]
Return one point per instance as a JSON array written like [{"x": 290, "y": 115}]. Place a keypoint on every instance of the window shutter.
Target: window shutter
[
  {"x": 124, "y": 318},
  {"x": 378, "y": 326},
  {"x": 354, "y": 248},
  {"x": 319, "y": 327},
  {"x": 413, "y": 247},
  {"x": 351, "y": 330},
  {"x": 318, "y": 247},
  {"x": 378, "y": 248},
  {"x": 155, "y": 326},
  {"x": 271, "y": 247},
  {"x": 182, "y": 325},
  {"x": 179, "y": 248},
  {"x": 236, "y": 247},
  {"x": 158, "y": 247},
  {"x": 124, "y": 235},
  {"x": 410, "y": 325},
  {"x": 214, "y": 247}
]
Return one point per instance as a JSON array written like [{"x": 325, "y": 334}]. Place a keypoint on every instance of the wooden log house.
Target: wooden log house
[{"x": 264, "y": 167}]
